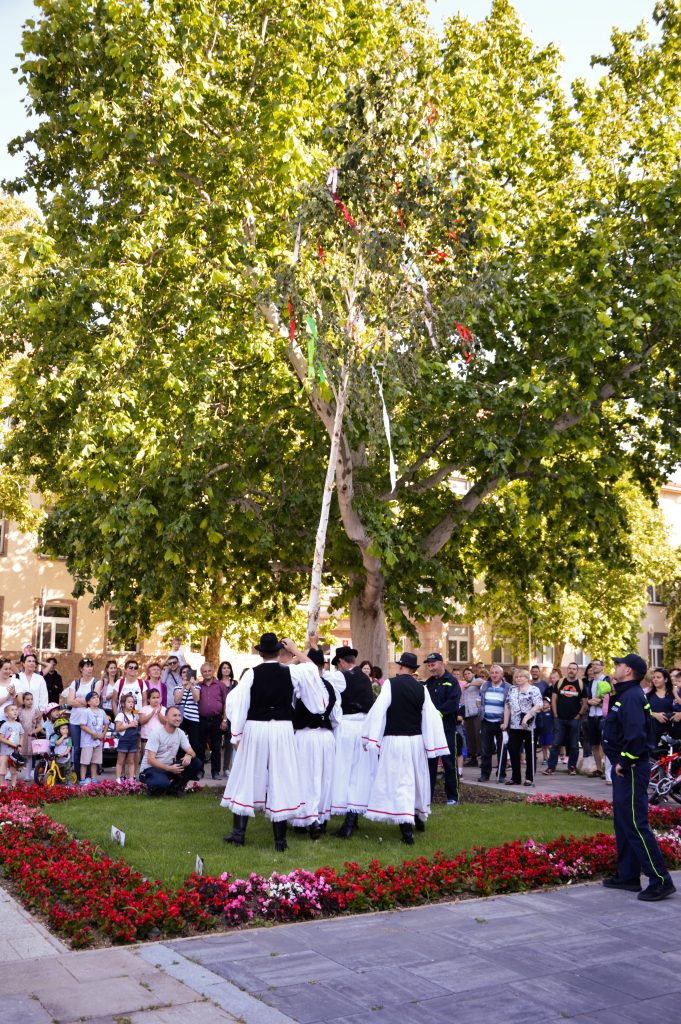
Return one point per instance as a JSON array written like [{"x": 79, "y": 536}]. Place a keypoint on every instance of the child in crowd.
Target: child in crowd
[
  {"x": 93, "y": 731},
  {"x": 11, "y": 732},
  {"x": 61, "y": 746},
  {"x": 50, "y": 715},
  {"x": 152, "y": 716},
  {"x": 127, "y": 727},
  {"x": 32, "y": 723}
]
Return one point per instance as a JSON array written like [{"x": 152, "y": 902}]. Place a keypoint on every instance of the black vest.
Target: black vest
[
  {"x": 271, "y": 693},
  {"x": 358, "y": 695},
  {"x": 304, "y": 719},
  {"x": 403, "y": 717}
]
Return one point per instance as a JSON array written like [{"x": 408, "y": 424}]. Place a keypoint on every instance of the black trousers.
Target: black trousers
[
  {"x": 637, "y": 848},
  {"x": 450, "y": 769},
  {"x": 210, "y": 732},
  {"x": 490, "y": 740},
  {"x": 192, "y": 731},
  {"x": 518, "y": 740}
]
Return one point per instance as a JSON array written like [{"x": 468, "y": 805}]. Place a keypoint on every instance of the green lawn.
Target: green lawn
[{"x": 163, "y": 836}]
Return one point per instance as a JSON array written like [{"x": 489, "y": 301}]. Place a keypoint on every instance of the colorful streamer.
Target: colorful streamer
[
  {"x": 291, "y": 322},
  {"x": 332, "y": 185}
]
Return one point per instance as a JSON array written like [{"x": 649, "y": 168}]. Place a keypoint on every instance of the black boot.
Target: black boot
[
  {"x": 407, "y": 831},
  {"x": 315, "y": 830},
  {"x": 348, "y": 826},
  {"x": 419, "y": 824},
  {"x": 322, "y": 828},
  {"x": 279, "y": 829},
  {"x": 238, "y": 834}
]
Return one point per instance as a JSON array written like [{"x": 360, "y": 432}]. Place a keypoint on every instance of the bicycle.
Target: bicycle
[
  {"x": 59, "y": 774},
  {"x": 665, "y": 773}
]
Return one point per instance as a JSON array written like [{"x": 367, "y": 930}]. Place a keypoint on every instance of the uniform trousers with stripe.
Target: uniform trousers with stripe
[{"x": 637, "y": 848}]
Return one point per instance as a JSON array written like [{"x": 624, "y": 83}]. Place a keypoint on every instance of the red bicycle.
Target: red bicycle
[{"x": 665, "y": 773}]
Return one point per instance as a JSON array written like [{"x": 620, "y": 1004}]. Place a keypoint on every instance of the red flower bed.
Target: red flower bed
[{"x": 87, "y": 896}]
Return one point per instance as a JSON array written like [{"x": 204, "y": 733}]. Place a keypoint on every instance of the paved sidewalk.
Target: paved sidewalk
[{"x": 23, "y": 938}]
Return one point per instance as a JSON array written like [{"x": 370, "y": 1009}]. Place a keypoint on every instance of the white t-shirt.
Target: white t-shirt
[
  {"x": 5, "y": 699},
  {"x": 36, "y": 685},
  {"x": 79, "y": 688},
  {"x": 134, "y": 689},
  {"x": 165, "y": 745}
]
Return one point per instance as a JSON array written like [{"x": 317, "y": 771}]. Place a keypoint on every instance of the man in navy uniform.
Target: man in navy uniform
[
  {"x": 445, "y": 693},
  {"x": 628, "y": 738}
]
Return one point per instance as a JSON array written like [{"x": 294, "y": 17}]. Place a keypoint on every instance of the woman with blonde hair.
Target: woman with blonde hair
[{"x": 523, "y": 704}]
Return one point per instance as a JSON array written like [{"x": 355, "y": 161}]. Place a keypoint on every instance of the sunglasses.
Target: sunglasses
[{"x": 133, "y": 664}]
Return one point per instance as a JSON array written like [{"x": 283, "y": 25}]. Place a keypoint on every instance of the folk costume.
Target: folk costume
[
  {"x": 404, "y": 726},
  {"x": 264, "y": 775},
  {"x": 355, "y": 767},
  {"x": 316, "y": 749}
]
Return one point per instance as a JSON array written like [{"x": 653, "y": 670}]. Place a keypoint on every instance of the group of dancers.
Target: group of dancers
[{"x": 312, "y": 742}]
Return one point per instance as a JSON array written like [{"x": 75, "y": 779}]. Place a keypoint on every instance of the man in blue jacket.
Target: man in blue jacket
[
  {"x": 627, "y": 741},
  {"x": 445, "y": 693}
]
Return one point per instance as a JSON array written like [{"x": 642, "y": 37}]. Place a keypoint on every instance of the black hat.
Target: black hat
[
  {"x": 317, "y": 656},
  {"x": 409, "y": 660},
  {"x": 343, "y": 652},
  {"x": 635, "y": 662},
  {"x": 268, "y": 644},
  {"x": 433, "y": 657}
]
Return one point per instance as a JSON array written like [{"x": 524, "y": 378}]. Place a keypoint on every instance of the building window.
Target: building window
[
  {"x": 502, "y": 653},
  {"x": 581, "y": 657},
  {"x": 657, "y": 649},
  {"x": 458, "y": 644},
  {"x": 655, "y": 594},
  {"x": 396, "y": 650},
  {"x": 117, "y": 646},
  {"x": 54, "y": 627}
]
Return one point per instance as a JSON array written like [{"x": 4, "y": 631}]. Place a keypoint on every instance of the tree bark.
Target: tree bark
[
  {"x": 369, "y": 634},
  {"x": 212, "y": 649},
  {"x": 558, "y": 654}
]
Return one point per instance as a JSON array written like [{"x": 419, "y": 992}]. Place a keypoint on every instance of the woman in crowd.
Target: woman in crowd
[
  {"x": 30, "y": 680},
  {"x": 225, "y": 674},
  {"x": 7, "y": 686},
  {"x": 661, "y": 700},
  {"x": 523, "y": 704},
  {"x": 187, "y": 700},
  {"x": 153, "y": 680},
  {"x": 75, "y": 698},
  {"x": 107, "y": 685}
]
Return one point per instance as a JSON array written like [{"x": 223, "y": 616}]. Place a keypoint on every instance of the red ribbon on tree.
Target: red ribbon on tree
[
  {"x": 432, "y": 114},
  {"x": 332, "y": 185},
  {"x": 320, "y": 250},
  {"x": 466, "y": 338},
  {"x": 291, "y": 322}
]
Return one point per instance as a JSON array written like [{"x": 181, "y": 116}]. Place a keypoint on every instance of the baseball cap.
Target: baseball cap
[
  {"x": 433, "y": 657},
  {"x": 635, "y": 662}
]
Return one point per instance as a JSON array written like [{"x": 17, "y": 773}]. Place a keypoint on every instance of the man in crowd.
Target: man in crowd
[
  {"x": 171, "y": 674},
  {"x": 471, "y": 694},
  {"x": 355, "y": 767},
  {"x": 53, "y": 681},
  {"x": 568, "y": 702},
  {"x": 628, "y": 738},
  {"x": 163, "y": 770},
  {"x": 595, "y": 691},
  {"x": 492, "y": 700},
  {"x": 213, "y": 695},
  {"x": 130, "y": 683},
  {"x": 445, "y": 694}
]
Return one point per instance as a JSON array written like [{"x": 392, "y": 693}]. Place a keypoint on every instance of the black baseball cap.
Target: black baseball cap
[
  {"x": 433, "y": 657},
  {"x": 635, "y": 662}
]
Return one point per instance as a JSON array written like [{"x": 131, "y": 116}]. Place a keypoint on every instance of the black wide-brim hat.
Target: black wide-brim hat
[
  {"x": 316, "y": 657},
  {"x": 409, "y": 660},
  {"x": 269, "y": 644},
  {"x": 343, "y": 652}
]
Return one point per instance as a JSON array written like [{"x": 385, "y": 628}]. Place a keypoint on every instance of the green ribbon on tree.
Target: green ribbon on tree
[{"x": 311, "y": 350}]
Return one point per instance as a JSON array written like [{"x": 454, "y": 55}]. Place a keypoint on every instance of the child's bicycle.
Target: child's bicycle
[
  {"x": 46, "y": 769},
  {"x": 665, "y": 773}
]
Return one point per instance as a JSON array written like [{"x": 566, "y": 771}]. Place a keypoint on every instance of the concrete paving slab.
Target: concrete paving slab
[{"x": 22, "y": 1010}]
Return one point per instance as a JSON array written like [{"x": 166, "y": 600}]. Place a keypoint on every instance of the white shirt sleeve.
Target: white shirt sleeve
[
  {"x": 308, "y": 687},
  {"x": 374, "y": 726},
  {"x": 238, "y": 703},
  {"x": 432, "y": 729}
]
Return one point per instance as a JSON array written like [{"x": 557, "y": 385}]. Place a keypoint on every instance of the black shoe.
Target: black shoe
[
  {"x": 658, "y": 891},
  {"x": 348, "y": 826},
  {"x": 279, "y": 829},
  {"x": 322, "y": 828},
  {"x": 483, "y": 778},
  {"x": 512, "y": 782},
  {"x": 215, "y": 775},
  {"x": 237, "y": 837},
  {"x": 315, "y": 830},
  {"x": 471, "y": 762},
  {"x": 419, "y": 824},
  {"x": 407, "y": 831},
  {"x": 615, "y": 882}
]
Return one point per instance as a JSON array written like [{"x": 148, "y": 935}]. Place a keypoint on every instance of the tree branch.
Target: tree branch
[{"x": 410, "y": 473}]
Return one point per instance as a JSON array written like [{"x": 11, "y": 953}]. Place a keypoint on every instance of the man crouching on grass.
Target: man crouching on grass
[{"x": 161, "y": 770}]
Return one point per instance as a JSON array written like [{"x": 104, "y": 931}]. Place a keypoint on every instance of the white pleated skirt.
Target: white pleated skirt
[
  {"x": 355, "y": 768},
  {"x": 402, "y": 783},
  {"x": 264, "y": 775},
  {"x": 316, "y": 749}
]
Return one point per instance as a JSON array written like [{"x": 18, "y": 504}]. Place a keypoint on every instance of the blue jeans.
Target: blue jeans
[
  {"x": 74, "y": 732},
  {"x": 565, "y": 734},
  {"x": 160, "y": 782}
]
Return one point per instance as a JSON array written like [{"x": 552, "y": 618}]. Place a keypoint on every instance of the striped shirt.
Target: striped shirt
[{"x": 493, "y": 710}]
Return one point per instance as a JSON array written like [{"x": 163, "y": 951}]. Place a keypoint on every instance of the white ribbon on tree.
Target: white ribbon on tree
[{"x": 386, "y": 427}]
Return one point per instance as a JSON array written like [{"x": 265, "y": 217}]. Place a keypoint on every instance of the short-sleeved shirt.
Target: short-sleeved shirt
[
  {"x": 165, "y": 745},
  {"x": 521, "y": 703},
  {"x": 569, "y": 697},
  {"x": 79, "y": 688},
  {"x": 138, "y": 688},
  {"x": 13, "y": 731},
  {"x": 95, "y": 720}
]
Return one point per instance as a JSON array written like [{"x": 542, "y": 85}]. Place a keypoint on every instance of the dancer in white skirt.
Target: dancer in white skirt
[
  {"x": 405, "y": 728},
  {"x": 264, "y": 775},
  {"x": 355, "y": 767},
  {"x": 316, "y": 748}
]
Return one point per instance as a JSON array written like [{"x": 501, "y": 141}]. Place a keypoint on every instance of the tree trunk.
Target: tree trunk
[
  {"x": 320, "y": 545},
  {"x": 212, "y": 649},
  {"x": 369, "y": 635},
  {"x": 558, "y": 654}
]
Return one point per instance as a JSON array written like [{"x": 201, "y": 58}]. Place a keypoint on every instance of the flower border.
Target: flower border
[{"x": 87, "y": 897}]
